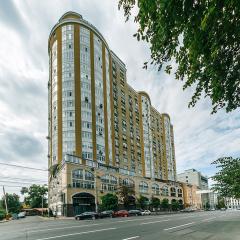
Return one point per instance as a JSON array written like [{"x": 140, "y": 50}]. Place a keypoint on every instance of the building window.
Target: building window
[
  {"x": 179, "y": 192},
  {"x": 128, "y": 182},
  {"x": 143, "y": 187},
  {"x": 165, "y": 191},
  {"x": 173, "y": 192},
  {"x": 155, "y": 189},
  {"x": 89, "y": 176},
  {"x": 82, "y": 179}
]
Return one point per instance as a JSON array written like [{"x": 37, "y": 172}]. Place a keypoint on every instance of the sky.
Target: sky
[{"x": 200, "y": 137}]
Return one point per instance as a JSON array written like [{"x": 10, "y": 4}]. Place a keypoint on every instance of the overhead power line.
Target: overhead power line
[
  {"x": 19, "y": 166},
  {"x": 16, "y": 182},
  {"x": 22, "y": 179},
  {"x": 13, "y": 185}
]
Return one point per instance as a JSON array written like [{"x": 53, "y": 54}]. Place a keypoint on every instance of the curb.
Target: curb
[{"x": 4, "y": 221}]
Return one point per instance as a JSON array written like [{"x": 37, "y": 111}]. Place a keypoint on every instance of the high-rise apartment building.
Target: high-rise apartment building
[{"x": 102, "y": 133}]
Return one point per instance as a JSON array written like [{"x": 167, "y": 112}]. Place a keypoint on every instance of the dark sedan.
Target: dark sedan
[
  {"x": 87, "y": 215},
  {"x": 108, "y": 213},
  {"x": 135, "y": 212}
]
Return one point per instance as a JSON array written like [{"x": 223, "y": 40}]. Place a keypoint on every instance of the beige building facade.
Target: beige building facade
[
  {"x": 100, "y": 128},
  {"x": 191, "y": 198}
]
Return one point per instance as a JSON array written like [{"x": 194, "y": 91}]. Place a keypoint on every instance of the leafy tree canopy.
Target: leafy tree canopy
[
  {"x": 228, "y": 177},
  {"x": 13, "y": 203},
  {"x": 221, "y": 203},
  {"x": 142, "y": 201},
  {"x": 165, "y": 203},
  {"x": 34, "y": 195},
  {"x": 155, "y": 202},
  {"x": 109, "y": 202},
  {"x": 125, "y": 194},
  {"x": 175, "y": 205},
  {"x": 201, "y": 36}
]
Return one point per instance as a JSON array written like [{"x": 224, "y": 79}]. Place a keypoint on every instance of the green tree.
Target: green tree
[
  {"x": 221, "y": 203},
  {"x": 109, "y": 202},
  {"x": 227, "y": 179},
  {"x": 201, "y": 36},
  {"x": 125, "y": 193},
  {"x": 165, "y": 204},
  {"x": 175, "y": 205},
  {"x": 34, "y": 195},
  {"x": 13, "y": 203},
  {"x": 155, "y": 202},
  {"x": 180, "y": 202},
  {"x": 207, "y": 206},
  {"x": 142, "y": 202},
  {"x": 2, "y": 214}
]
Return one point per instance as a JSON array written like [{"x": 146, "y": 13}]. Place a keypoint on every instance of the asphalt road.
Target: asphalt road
[{"x": 216, "y": 225}]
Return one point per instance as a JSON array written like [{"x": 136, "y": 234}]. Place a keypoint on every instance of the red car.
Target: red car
[{"x": 121, "y": 213}]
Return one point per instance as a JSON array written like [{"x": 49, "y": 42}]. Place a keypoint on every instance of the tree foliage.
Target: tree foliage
[
  {"x": 13, "y": 203},
  {"x": 109, "y": 202},
  {"x": 221, "y": 203},
  {"x": 165, "y": 204},
  {"x": 155, "y": 202},
  {"x": 125, "y": 193},
  {"x": 228, "y": 177},
  {"x": 142, "y": 201},
  {"x": 34, "y": 196},
  {"x": 175, "y": 205},
  {"x": 201, "y": 36}
]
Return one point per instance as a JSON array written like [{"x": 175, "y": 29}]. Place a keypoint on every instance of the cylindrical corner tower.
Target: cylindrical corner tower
[{"x": 79, "y": 92}]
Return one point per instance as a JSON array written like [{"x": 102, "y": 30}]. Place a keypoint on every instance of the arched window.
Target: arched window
[
  {"x": 109, "y": 179},
  {"x": 105, "y": 179},
  {"x": 165, "y": 191},
  {"x": 82, "y": 179},
  {"x": 89, "y": 176},
  {"x": 128, "y": 182},
  {"x": 143, "y": 187},
  {"x": 155, "y": 189},
  {"x": 77, "y": 174},
  {"x": 109, "y": 183},
  {"x": 113, "y": 180},
  {"x": 179, "y": 192},
  {"x": 173, "y": 191}
]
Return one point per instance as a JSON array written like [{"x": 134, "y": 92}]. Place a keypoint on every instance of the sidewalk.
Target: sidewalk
[{"x": 3, "y": 221}]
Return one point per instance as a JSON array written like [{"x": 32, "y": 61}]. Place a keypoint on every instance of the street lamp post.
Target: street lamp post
[
  {"x": 94, "y": 169},
  {"x": 96, "y": 192}
]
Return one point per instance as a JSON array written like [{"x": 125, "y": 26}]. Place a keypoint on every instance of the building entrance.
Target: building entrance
[{"x": 83, "y": 202}]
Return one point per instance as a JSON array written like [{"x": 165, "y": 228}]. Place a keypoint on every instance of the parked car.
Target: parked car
[
  {"x": 145, "y": 212},
  {"x": 22, "y": 215},
  {"x": 87, "y": 215},
  {"x": 121, "y": 213},
  {"x": 135, "y": 212},
  {"x": 187, "y": 210},
  {"x": 15, "y": 216},
  {"x": 108, "y": 213}
]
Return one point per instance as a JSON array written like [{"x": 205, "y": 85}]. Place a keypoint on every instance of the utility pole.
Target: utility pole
[
  {"x": 42, "y": 205},
  {"x": 5, "y": 198}
]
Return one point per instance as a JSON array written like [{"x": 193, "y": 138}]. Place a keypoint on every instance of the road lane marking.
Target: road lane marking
[
  {"x": 205, "y": 220},
  {"x": 155, "y": 222},
  {"x": 75, "y": 226},
  {"x": 166, "y": 229},
  {"x": 80, "y": 233},
  {"x": 131, "y": 238},
  {"x": 140, "y": 219}
]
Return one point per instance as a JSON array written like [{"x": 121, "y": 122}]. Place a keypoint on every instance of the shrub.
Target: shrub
[{"x": 2, "y": 214}]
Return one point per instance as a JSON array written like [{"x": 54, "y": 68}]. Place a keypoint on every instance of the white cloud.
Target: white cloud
[{"x": 199, "y": 136}]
